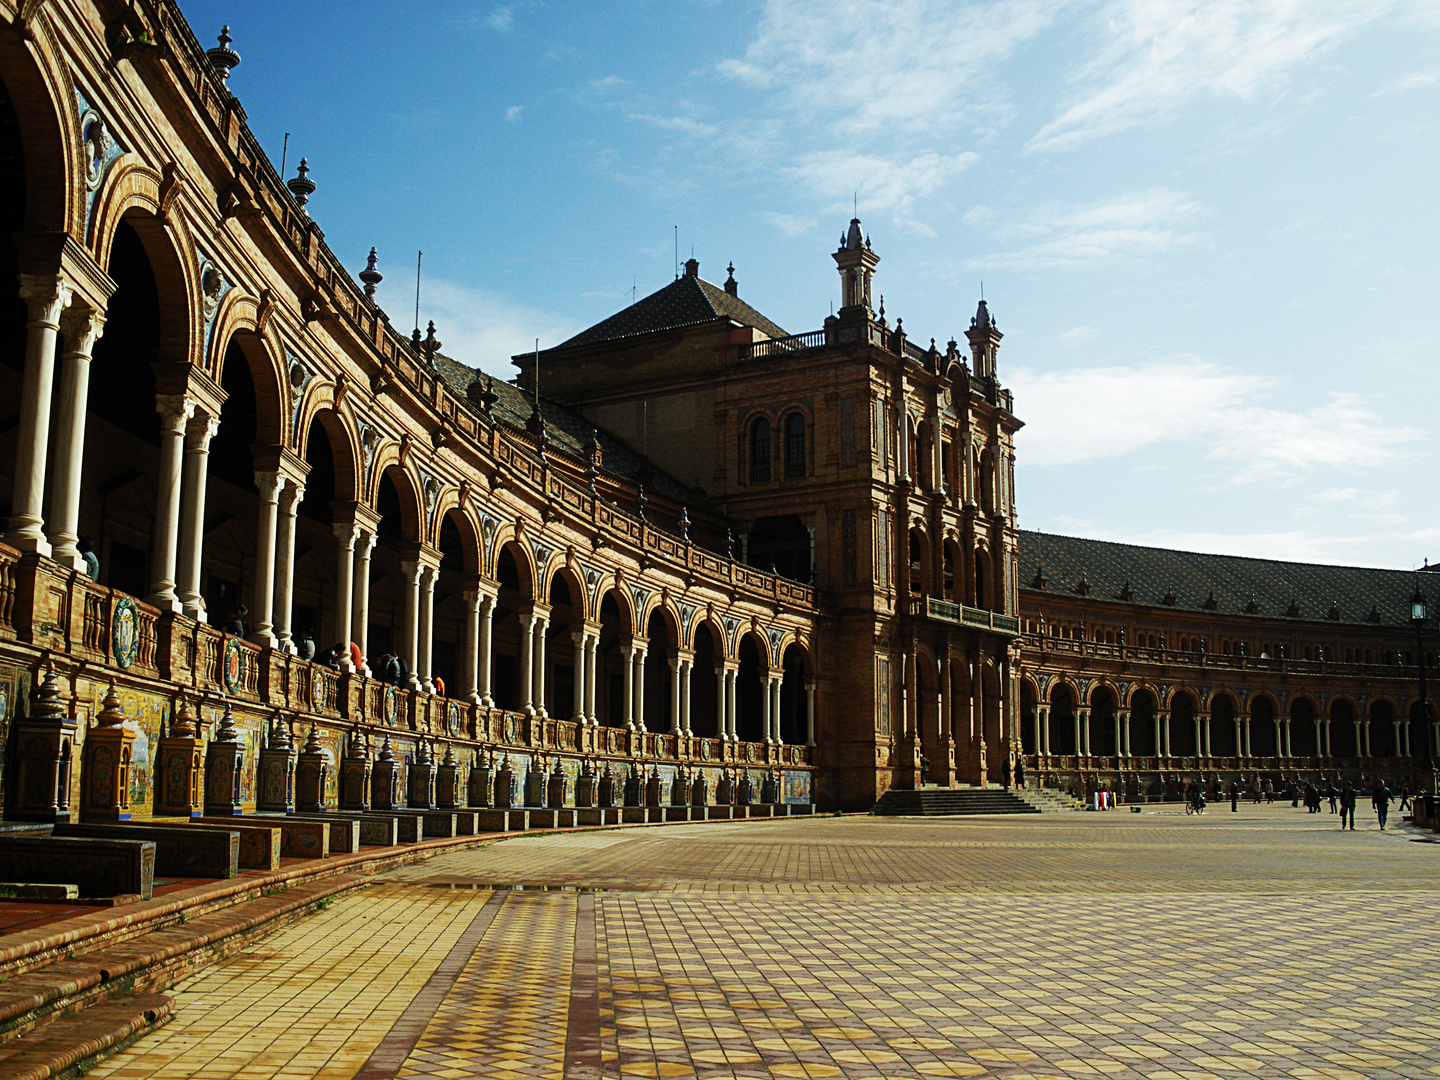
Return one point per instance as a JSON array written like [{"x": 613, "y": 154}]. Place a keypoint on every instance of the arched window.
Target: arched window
[
  {"x": 794, "y": 446},
  {"x": 760, "y": 451}
]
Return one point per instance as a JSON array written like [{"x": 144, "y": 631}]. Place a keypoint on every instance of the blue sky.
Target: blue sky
[{"x": 1208, "y": 228}]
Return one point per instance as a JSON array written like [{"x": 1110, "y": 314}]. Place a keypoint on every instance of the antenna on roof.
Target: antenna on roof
[
  {"x": 634, "y": 288},
  {"x": 418, "y": 256},
  {"x": 537, "y": 375},
  {"x": 982, "y": 290},
  {"x": 284, "y": 152},
  {"x": 677, "y": 252},
  {"x": 855, "y": 204}
]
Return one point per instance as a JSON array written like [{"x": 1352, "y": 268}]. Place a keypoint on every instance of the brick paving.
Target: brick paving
[{"x": 1263, "y": 943}]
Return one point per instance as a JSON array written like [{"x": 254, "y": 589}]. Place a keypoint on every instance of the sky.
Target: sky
[{"x": 1208, "y": 228}]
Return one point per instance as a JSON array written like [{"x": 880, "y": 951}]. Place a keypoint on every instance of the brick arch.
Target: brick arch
[
  {"x": 611, "y": 584},
  {"x": 237, "y": 322},
  {"x": 705, "y": 623},
  {"x": 413, "y": 525},
  {"x": 472, "y": 542},
  {"x": 1143, "y": 688},
  {"x": 42, "y": 87},
  {"x": 761, "y": 645},
  {"x": 806, "y": 647},
  {"x": 674, "y": 631},
  {"x": 170, "y": 253},
  {"x": 319, "y": 404},
  {"x": 1077, "y": 698},
  {"x": 579, "y": 596},
  {"x": 507, "y": 537},
  {"x": 1268, "y": 696}
]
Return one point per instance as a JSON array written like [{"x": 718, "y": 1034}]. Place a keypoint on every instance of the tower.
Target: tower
[
  {"x": 856, "y": 263},
  {"x": 984, "y": 339}
]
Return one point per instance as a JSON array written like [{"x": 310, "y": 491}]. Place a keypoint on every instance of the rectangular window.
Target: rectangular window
[
  {"x": 848, "y": 552},
  {"x": 882, "y": 547},
  {"x": 882, "y": 696},
  {"x": 847, "y": 432}
]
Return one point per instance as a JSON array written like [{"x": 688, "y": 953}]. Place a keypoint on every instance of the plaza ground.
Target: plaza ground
[{"x": 1263, "y": 943}]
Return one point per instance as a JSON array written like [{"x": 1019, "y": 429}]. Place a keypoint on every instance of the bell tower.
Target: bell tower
[
  {"x": 856, "y": 263},
  {"x": 984, "y": 337}
]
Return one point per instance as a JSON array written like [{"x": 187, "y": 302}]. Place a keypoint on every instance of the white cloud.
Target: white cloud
[
  {"x": 484, "y": 329},
  {"x": 1091, "y": 414},
  {"x": 1160, "y": 54},
  {"x": 1133, "y": 225},
  {"x": 1288, "y": 545},
  {"x": 513, "y": 113},
  {"x": 790, "y": 224},
  {"x": 501, "y": 19},
  {"x": 889, "y": 185},
  {"x": 1416, "y": 80}
]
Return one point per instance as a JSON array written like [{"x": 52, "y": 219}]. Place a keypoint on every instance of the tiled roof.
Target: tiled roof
[
  {"x": 568, "y": 431},
  {"x": 686, "y": 301},
  {"x": 1192, "y": 578}
]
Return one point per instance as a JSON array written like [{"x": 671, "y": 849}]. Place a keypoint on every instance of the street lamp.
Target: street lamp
[{"x": 1418, "y": 613}]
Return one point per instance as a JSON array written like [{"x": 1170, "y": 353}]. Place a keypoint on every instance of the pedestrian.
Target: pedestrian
[
  {"x": 404, "y": 679},
  {"x": 87, "y": 552},
  {"x": 390, "y": 669},
  {"x": 1234, "y": 796},
  {"x": 335, "y": 658},
  {"x": 357, "y": 658},
  {"x": 1381, "y": 801},
  {"x": 305, "y": 645},
  {"x": 1019, "y": 773},
  {"x": 1269, "y": 791},
  {"x": 1334, "y": 793},
  {"x": 235, "y": 621},
  {"x": 1404, "y": 796},
  {"x": 439, "y": 684},
  {"x": 1347, "y": 806}
]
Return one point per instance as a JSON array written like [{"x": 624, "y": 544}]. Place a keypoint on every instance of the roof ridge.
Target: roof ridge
[{"x": 1219, "y": 555}]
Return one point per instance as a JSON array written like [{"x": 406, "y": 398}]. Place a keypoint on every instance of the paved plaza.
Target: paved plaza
[{"x": 1264, "y": 943}]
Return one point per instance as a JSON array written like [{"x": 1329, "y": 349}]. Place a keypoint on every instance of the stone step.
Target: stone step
[
  {"x": 70, "y": 1045},
  {"x": 928, "y": 802}
]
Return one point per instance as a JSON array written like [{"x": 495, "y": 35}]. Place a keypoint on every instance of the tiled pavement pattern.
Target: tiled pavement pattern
[{"x": 1259, "y": 944}]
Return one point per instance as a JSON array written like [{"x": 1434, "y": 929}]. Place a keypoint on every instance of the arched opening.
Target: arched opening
[
  {"x": 1062, "y": 720},
  {"x": 927, "y": 719},
  {"x": 795, "y": 447},
  {"x": 750, "y": 692},
  {"x": 1142, "y": 724},
  {"x": 782, "y": 546},
  {"x": 566, "y": 618},
  {"x": 1420, "y": 735},
  {"x": 1382, "y": 729},
  {"x": 1222, "y": 726},
  {"x": 1183, "y": 742},
  {"x": 986, "y": 482},
  {"x": 760, "y": 451},
  {"x": 981, "y": 597},
  {"x": 13, "y": 314},
  {"x": 232, "y": 498},
  {"x": 1344, "y": 740},
  {"x": 995, "y": 758},
  {"x": 704, "y": 683},
  {"x": 952, "y": 587},
  {"x": 1262, "y": 727},
  {"x": 794, "y": 705},
  {"x": 1029, "y": 738},
  {"x": 613, "y": 671},
  {"x": 657, "y": 673},
  {"x": 1102, "y": 722},
  {"x": 314, "y": 609},
  {"x": 505, "y": 629},
  {"x": 921, "y": 444},
  {"x": 459, "y": 564},
  {"x": 913, "y": 445},
  {"x": 1303, "y": 738},
  {"x": 919, "y": 563}
]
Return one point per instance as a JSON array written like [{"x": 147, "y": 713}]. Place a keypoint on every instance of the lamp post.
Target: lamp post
[{"x": 1418, "y": 614}]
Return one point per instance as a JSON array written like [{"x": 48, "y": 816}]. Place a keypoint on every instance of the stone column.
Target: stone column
[
  {"x": 194, "y": 474},
  {"x": 1362, "y": 737},
  {"x": 685, "y": 727},
  {"x": 527, "y": 662},
  {"x": 45, "y": 296},
  {"x": 732, "y": 679},
  {"x": 270, "y": 485},
  {"x": 592, "y": 679},
  {"x": 1165, "y": 731},
  {"x": 1042, "y": 730},
  {"x": 360, "y": 610},
  {"x": 175, "y": 412},
  {"x": 410, "y": 629},
  {"x": 1084, "y": 730},
  {"x": 290, "y": 500},
  {"x": 1079, "y": 732},
  {"x": 345, "y": 535},
  {"x": 775, "y": 735},
  {"x": 1329, "y": 742},
  {"x": 82, "y": 325},
  {"x": 641, "y": 655},
  {"x": 470, "y": 649},
  {"x": 722, "y": 713},
  {"x": 1209, "y": 743},
  {"x": 426, "y": 649},
  {"x": 486, "y": 655},
  {"x": 1281, "y": 742},
  {"x": 675, "y": 725},
  {"x": 1122, "y": 724},
  {"x": 627, "y": 689},
  {"x": 542, "y": 628},
  {"x": 765, "y": 711},
  {"x": 810, "y": 715},
  {"x": 582, "y": 642},
  {"x": 1159, "y": 746}
]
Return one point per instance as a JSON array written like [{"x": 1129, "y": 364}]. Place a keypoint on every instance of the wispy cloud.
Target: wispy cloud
[
  {"x": 513, "y": 113},
  {"x": 1157, "y": 55},
  {"x": 1091, "y": 414},
  {"x": 484, "y": 329},
  {"x": 1132, "y": 225},
  {"x": 891, "y": 185},
  {"x": 501, "y": 19}
]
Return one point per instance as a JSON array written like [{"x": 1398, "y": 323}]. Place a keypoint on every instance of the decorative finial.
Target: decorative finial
[
  {"x": 46, "y": 703},
  {"x": 279, "y": 735},
  {"x": 370, "y": 276},
  {"x": 449, "y": 754},
  {"x": 489, "y": 397},
  {"x": 356, "y": 746},
  {"x": 312, "y": 741},
  {"x": 685, "y": 523},
  {"x": 183, "y": 726},
  {"x": 111, "y": 713},
  {"x": 301, "y": 186},
  {"x": 640, "y": 504},
  {"x": 226, "y": 731},
  {"x": 223, "y": 59},
  {"x": 386, "y": 753},
  {"x": 431, "y": 344}
]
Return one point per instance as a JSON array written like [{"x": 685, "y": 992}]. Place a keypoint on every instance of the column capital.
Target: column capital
[
  {"x": 365, "y": 541},
  {"x": 46, "y": 296},
  {"x": 347, "y": 532},
  {"x": 291, "y": 498},
  {"x": 175, "y": 412},
  {"x": 270, "y": 485},
  {"x": 412, "y": 569},
  {"x": 201, "y": 428},
  {"x": 82, "y": 324}
]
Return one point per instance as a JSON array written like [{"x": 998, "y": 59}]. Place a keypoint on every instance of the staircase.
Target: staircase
[
  {"x": 1047, "y": 800},
  {"x": 937, "y": 802}
]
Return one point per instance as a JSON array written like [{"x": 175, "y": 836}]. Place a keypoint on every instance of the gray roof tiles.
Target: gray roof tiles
[{"x": 686, "y": 301}]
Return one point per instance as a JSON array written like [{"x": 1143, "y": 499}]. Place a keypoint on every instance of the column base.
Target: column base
[
  {"x": 28, "y": 543},
  {"x": 264, "y": 638},
  {"x": 165, "y": 602}
]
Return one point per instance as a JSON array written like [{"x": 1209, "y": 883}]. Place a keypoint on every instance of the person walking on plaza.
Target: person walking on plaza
[
  {"x": 1404, "y": 796},
  {"x": 1347, "y": 806},
  {"x": 1381, "y": 801},
  {"x": 1334, "y": 793},
  {"x": 1234, "y": 796}
]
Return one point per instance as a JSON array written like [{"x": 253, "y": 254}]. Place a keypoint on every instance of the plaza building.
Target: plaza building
[{"x": 685, "y": 543}]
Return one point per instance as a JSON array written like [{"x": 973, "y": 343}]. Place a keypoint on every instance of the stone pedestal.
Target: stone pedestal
[
  {"x": 585, "y": 785},
  {"x": 605, "y": 788},
  {"x": 557, "y": 788},
  {"x": 224, "y": 760},
  {"x": 312, "y": 776},
  {"x": 180, "y": 767},
  {"x": 44, "y": 745},
  {"x": 535, "y": 780},
  {"x": 504, "y": 784},
  {"x": 744, "y": 790},
  {"x": 105, "y": 764},
  {"x": 725, "y": 790},
  {"x": 480, "y": 785},
  {"x": 652, "y": 787},
  {"x": 700, "y": 790},
  {"x": 770, "y": 789},
  {"x": 355, "y": 773},
  {"x": 275, "y": 773},
  {"x": 447, "y": 781},
  {"x": 680, "y": 789},
  {"x": 385, "y": 789},
  {"x": 420, "y": 779}
]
